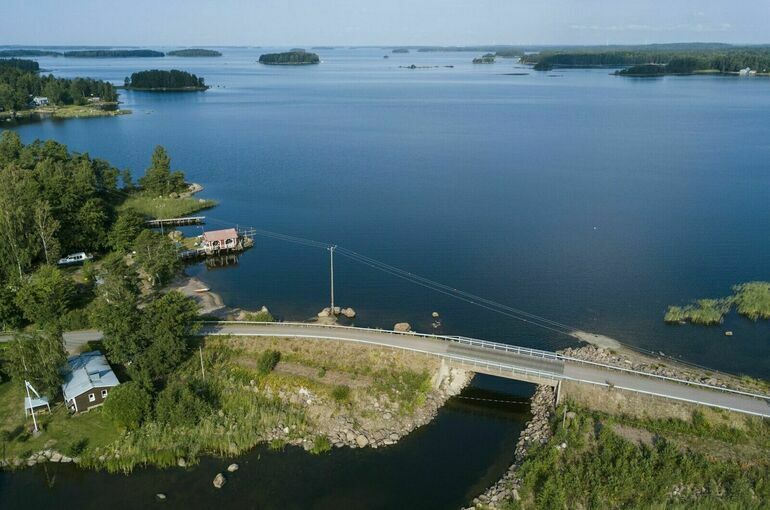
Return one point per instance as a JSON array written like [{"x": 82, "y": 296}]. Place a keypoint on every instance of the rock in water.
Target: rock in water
[
  {"x": 232, "y": 468},
  {"x": 325, "y": 312},
  {"x": 181, "y": 462},
  {"x": 348, "y": 312},
  {"x": 219, "y": 480},
  {"x": 160, "y": 496},
  {"x": 402, "y": 327},
  {"x": 435, "y": 315}
]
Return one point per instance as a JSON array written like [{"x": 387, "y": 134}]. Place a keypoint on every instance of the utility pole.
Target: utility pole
[{"x": 331, "y": 274}]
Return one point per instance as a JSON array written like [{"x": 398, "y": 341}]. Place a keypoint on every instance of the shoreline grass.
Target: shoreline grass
[{"x": 166, "y": 207}]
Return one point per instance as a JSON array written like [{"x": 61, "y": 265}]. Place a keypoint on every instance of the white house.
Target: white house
[{"x": 40, "y": 101}]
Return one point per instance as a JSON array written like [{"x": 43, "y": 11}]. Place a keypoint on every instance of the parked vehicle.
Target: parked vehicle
[{"x": 75, "y": 258}]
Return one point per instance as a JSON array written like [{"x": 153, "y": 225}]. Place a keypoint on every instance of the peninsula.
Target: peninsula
[
  {"x": 25, "y": 93},
  {"x": 289, "y": 58}
]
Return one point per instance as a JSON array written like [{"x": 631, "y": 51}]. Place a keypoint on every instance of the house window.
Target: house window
[
  {"x": 91, "y": 397},
  {"x": 104, "y": 393}
]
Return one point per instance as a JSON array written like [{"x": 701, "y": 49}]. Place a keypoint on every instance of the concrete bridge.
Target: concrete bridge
[{"x": 511, "y": 362}]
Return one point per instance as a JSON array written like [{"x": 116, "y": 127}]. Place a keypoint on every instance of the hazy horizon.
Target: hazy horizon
[{"x": 374, "y": 23}]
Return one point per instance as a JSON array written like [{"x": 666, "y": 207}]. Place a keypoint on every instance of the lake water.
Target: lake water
[{"x": 590, "y": 199}]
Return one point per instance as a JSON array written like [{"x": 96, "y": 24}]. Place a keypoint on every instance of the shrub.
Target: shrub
[
  {"x": 277, "y": 445},
  {"x": 128, "y": 405},
  {"x": 267, "y": 361},
  {"x": 263, "y": 315},
  {"x": 179, "y": 405},
  {"x": 77, "y": 447},
  {"x": 321, "y": 444},
  {"x": 341, "y": 393}
]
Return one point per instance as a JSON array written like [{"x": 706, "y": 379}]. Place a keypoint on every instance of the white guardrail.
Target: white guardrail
[{"x": 496, "y": 346}]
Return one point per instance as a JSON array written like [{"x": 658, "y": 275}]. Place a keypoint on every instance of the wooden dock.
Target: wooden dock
[{"x": 176, "y": 222}]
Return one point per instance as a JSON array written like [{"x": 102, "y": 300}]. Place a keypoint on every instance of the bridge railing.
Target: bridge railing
[
  {"x": 615, "y": 368},
  {"x": 465, "y": 360},
  {"x": 522, "y": 351},
  {"x": 463, "y": 340}
]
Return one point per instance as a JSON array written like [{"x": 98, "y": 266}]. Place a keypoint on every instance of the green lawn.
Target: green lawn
[
  {"x": 60, "y": 431},
  {"x": 166, "y": 207}
]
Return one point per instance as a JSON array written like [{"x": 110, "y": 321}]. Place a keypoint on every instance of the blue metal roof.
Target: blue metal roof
[{"x": 85, "y": 372}]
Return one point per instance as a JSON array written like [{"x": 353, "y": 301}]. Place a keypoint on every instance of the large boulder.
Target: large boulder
[
  {"x": 232, "y": 468},
  {"x": 348, "y": 312},
  {"x": 402, "y": 327},
  {"x": 219, "y": 480},
  {"x": 326, "y": 312},
  {"x": 361, "y": 441}
]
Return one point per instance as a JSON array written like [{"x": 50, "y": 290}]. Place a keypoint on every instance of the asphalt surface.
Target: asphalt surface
[{"x": 561, "y": 369}]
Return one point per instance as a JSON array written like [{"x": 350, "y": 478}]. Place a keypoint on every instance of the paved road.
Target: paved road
[
  {"x": 539, "y": 364},
  {"x": 555, "y": 368}
]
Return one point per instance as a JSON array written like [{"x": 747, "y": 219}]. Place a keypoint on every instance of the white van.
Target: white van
[{"x": 75, "y": 258}]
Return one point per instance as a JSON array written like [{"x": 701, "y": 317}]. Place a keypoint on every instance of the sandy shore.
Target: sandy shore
[
  {"x": 602, "y": 341},
  {"x": 211, "y": 303}
]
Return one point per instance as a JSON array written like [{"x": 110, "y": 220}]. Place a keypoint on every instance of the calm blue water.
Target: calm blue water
[
  {"x": 593, "y": 200},
  {"x": 590, "y": 199}
]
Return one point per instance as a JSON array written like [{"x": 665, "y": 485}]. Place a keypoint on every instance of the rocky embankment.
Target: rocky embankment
[
  {"x": 384, "y": 425},
  {"x": 659, "y": 366},
  {"x": 46, "y": 455},
  {"x": 537, "y": 431}
]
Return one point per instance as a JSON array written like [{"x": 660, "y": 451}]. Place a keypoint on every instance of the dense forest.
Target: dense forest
[
  {"x": 18, "y": 63},
  {"x": 17, "y": 86},
  {"x": 194, "y": 52},
  {"x": 54, "y": 202},
  {"x": 113, "y": 53},
  {"x": 725, "y": 60},
  {"x": 165, "y": 80},
  {"x": 289, "y": 58}
]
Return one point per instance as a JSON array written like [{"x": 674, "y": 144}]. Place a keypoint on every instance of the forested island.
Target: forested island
[
  {"x": 488, "y": 58},
  {"x": 643, "y": 60},
  {"x": 113, "y": 53},
  {"x": 24, "y": 91},
  {"x": 194, "y": 52},
  {"x": 18, "y": 63},
  {"x": 165, "y": 81},
  {"x": 289, "y": 58}
]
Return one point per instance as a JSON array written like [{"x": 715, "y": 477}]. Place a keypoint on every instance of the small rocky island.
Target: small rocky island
[
  {"x": 289, "y": 58},
  {"x": 165, "y": 81},
  {"x": 488, "y": 58}
]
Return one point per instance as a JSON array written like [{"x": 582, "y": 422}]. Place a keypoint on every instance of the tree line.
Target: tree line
[
  {"x": 165, "y": 80},
  {"x": 18, "y": 86},
  {"x": 194, "y": 52},
  {"x": 678, "y": 61}
]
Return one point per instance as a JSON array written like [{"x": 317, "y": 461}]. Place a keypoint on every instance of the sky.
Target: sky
[{"x": 381, "y": 22}]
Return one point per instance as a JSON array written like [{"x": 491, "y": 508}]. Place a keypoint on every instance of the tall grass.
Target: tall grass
[
  {"x": 703, "y": 311},
  {"x": 753, "y": 300}
]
